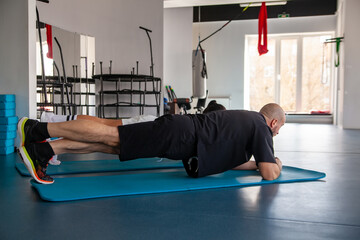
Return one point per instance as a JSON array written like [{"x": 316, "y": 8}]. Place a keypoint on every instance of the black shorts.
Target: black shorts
[{"x": 169, "y": 136}]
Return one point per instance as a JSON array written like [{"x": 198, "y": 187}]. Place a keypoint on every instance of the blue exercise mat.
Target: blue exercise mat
[
  {"x": 8, "y": 127},
  {"x": 94, "y": 166},
  {"x": 7, "y": 105},
  {"x": 9, "y": 120},
  {"x": 7, "y": 98},
  {"x": 7, "y": 135},
  {"x": 6, "y": 150},
  {"x": 67, "y": 189},
  {"x": 6, "y": 142},
  {"x": 7, "y": 112}
]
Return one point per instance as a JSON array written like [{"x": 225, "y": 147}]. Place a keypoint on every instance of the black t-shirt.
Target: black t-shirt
[{"x": 226, "y": 139}]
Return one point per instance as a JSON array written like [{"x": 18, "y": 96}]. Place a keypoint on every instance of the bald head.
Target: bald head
[
  {"x": 273, "y": 111},
  {"x": 274, "y": 115}
]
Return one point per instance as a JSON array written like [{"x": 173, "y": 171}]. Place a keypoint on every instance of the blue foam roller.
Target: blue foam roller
[
  {"x": 6, "y": 142},
  {"x": 76, "y": 188},
  {"x": 9, "y": 120},
  {"x": 6, "y": 150},
  {"x": 7, "y": 105},
  {"x": 106, "y": 165},
  {"x": 7, "y": 112},
  {"x": 7, "y": 128},
  {"x": 7, "y": 98},
  {"x": 8, "y": 135}
]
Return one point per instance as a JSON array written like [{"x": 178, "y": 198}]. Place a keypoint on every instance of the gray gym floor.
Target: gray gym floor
[{"x": 327, "y": 209}]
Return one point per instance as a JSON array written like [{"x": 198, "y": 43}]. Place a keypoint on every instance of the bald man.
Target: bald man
[{"x": 206, "y": 143}]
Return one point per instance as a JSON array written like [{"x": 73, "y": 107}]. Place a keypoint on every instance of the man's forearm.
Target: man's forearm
[
  {"x": 270, "y": 171},
  {"x": 279, "y": 163},
  {"x": 250, "y": 165}
]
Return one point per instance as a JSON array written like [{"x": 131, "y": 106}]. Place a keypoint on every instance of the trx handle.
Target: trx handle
[
  {"x": 336, "y": 40},
  {"x": 337, "y": 61}
]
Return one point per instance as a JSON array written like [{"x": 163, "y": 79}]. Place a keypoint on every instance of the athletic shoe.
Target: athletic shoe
[
  {"x": 21, "y": 130},
  {"x": 54, "y": 160},
  {"x": 46, "y": 117},
  {"x": 24, "y": 129},
  {"x": 37, "y": 168}
]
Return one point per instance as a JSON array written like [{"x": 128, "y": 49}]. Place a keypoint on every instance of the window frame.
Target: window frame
[{"x": 299, "y": 37}]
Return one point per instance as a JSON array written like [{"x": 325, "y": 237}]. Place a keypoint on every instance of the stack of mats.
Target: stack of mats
[{"x": 8, "y": 123}]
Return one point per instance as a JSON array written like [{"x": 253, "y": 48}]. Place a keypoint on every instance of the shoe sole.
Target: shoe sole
[
  {"x": 30, "y": 166},
  {"x": 20, "y": 130}
]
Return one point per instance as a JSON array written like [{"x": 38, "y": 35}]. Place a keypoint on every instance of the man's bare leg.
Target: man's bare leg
[
  {"x": 51, "y": 117},
  {"x": 85, "y": 131},
  {"x": 69, "y": 146},
  {"x": 63, "y": 118},
  {"x": 81, "y": 136},
  {"x": 109, "y": 122}
]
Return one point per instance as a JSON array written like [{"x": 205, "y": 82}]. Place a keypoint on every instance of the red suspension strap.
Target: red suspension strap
[
  {"x": 49, "y": 41},
  {"x": 262, "y": 47}
]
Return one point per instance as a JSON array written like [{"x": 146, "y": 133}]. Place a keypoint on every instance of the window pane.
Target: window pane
[
  {"x": 288, "y": 66},
  {"x": 262, "y": 74},
  {"x": 316, "y": 74},
  {"x": 48, "y": 63}
]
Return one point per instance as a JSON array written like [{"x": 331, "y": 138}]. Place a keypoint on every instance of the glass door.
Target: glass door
[{"x": 295, "y": 73}]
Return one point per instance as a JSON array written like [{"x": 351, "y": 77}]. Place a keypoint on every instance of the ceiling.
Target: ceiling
[
  {"x": 192, "y": 3},
  {"x": 224, "y": 10}
]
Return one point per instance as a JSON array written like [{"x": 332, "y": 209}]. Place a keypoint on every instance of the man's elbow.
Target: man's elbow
[
  {"x": 271, "y": 176},
  {"x": 269, "y": 171}
]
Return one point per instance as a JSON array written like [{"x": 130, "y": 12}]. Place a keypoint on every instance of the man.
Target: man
[
  {"x": 206, "y": 143},
  {"x": 213, "y": 106},
  {"x": 51, "y": 117}
]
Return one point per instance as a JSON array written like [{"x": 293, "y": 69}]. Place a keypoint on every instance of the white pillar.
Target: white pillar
[
  {"x": 18, "y": 59},
  {"x": 349, "y": 97}
]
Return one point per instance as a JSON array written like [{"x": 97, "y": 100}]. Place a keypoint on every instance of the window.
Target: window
[
  {"x": 48, "y": 63},
  {"x": 295, "y": 73}
]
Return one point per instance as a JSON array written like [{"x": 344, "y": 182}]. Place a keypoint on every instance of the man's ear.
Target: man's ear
[{"x": 273, "y": 123}]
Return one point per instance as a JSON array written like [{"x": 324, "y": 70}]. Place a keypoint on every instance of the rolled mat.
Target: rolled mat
[
  {"x": 109, "y": 165},
  {"x": 77, "y": 188}
]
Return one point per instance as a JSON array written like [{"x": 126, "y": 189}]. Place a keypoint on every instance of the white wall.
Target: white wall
[
  {"x": 225, "y": 50},
  {"x": 351, "y": 65},
  {"x": 17, "y": 59},
  {"x": 178, "y": 49},
  {"x": 115, "y": 26}
]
